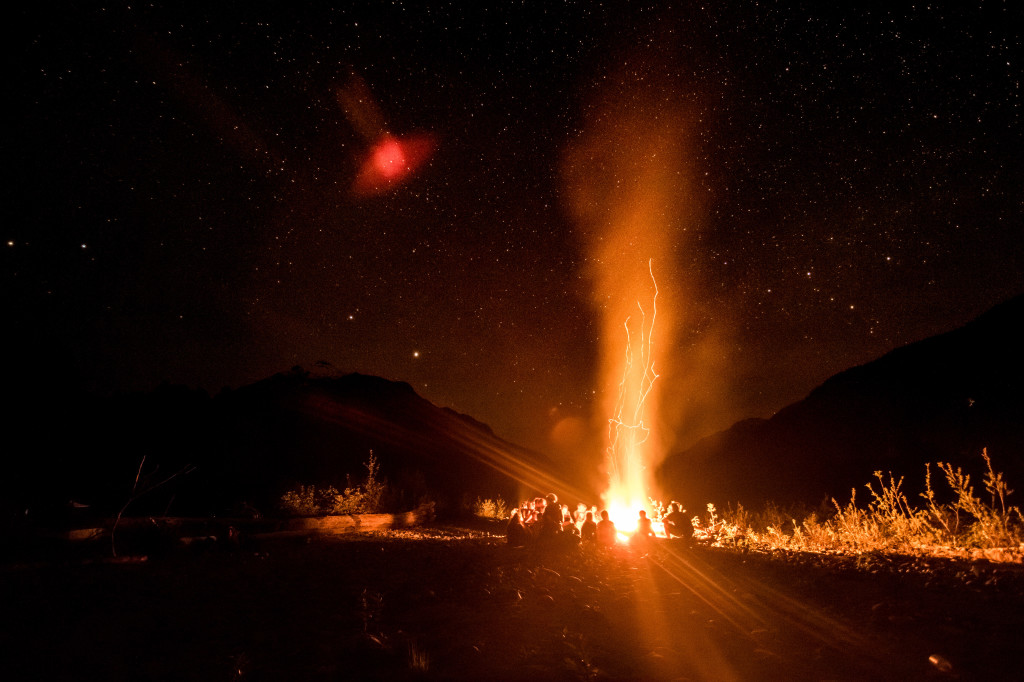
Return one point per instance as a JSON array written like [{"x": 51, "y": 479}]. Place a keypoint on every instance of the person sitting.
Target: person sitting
[
  {"x": 551, "y": 519},
  {"x": 569, "y": 525},
  {"x": 566, "y": 518},
  {"x": 676, "y": 524},
  {"x": 515, "y": 532},
  {"x": 643, "y": 526},
  {"x": 536, "y": 510},
  {"x": 606, "y": 534},
  {"x": 580, "y": 514},
  {"x": 588, "y": 530},
  {"x": 644, "y": 532}
]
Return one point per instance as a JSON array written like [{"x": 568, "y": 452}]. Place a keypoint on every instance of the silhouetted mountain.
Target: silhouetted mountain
[
  {"x": 295, "y": 429},
  {"x": 246, "y": 447},
  {"x": 940, "y": 399}
]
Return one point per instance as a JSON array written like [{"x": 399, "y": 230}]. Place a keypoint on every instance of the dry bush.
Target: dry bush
[
  {"x": 309, "y": 500},
  {"x": 773, "y": 525},
  {"x": 491, "y": 509},
  {"x": 306, "y": 500},
  {"x": 856, "y": 528},
  {"x": 726, "y": 529},
  {"x": 813, "y": 533},
  {"x": 888, "y": 523},
  {"x": 898, "y": 525},
  {"x": 968, "y": 521}
]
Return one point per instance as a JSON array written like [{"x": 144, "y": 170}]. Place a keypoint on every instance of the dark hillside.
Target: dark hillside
[
  {"x": 294, "y": 428},
  {"x": 243, "y": 448},
  {"x": 940, "y": 399}
]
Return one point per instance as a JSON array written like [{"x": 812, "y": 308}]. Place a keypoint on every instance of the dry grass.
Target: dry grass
[
  {"x": 954, "y": 521},
  {"x": 496, "y": 509}
]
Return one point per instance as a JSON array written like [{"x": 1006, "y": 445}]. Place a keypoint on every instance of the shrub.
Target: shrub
[
  {"x": 992, "y": 524},
  {"x": 361, "y": 499},
  {"x": 305, "y": 500},
  {"x": 491, "y": 509},
  {"x": 888, "y": 522}
]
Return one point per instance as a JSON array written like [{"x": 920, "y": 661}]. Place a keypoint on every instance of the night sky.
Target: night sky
[{"x": 182, "y": 201}]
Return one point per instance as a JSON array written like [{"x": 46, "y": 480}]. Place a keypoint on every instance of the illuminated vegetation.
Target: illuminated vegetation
[
  {"x": 309, "y": 500},
  {"x": 491, "y": 509},
  {"x": 964, "y": 524}
]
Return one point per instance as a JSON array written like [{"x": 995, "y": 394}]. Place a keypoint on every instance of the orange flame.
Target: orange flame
[
  {"x": 631, "y": 195},
  {"x": 627, "y": 431}
]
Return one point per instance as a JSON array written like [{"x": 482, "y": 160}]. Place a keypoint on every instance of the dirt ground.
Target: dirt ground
[{"x": 450, "y": 604}]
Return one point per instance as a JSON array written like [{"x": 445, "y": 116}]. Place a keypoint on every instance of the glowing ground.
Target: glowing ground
[{"x": 461, "y": 605}]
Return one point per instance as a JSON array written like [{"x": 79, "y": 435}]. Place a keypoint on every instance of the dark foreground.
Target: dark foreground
[{"x": 464, "y": 606}]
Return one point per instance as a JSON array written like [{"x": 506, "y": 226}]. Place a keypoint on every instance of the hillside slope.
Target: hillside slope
[
  {"x": 243, "y": 448},
  {"x": 940, "y": 399}
]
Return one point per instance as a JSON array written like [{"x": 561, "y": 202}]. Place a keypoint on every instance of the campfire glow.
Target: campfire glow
[
  {"x": 629, "y": 188},
  {"x": 627, "y": 430}
]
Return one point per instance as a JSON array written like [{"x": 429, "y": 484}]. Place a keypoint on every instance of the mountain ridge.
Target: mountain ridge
[
  {"x": 246, "y": 446},
  {"x": 942, "y": 398}
]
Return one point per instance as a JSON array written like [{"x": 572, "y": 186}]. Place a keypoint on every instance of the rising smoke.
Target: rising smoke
[{"x": 629, "y": 188}]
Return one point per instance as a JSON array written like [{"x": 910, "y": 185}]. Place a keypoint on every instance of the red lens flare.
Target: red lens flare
[{"x": 391, "y": 161}]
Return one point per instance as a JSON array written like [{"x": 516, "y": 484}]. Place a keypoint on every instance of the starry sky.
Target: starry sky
[{"x": 183, "y": 202}]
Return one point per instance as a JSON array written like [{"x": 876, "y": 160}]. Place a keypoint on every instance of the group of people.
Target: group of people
[{"x": 544, "y": 521}]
